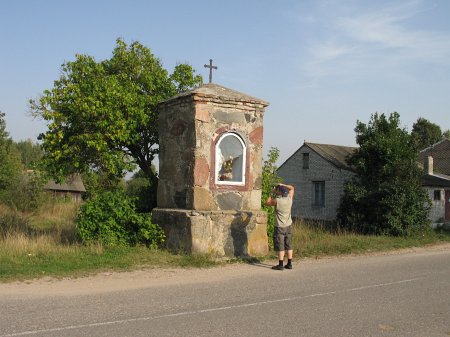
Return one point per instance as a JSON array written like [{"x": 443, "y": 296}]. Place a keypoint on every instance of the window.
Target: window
[
  {"x": 306, "y": 160},
  {"x": 230, "y": 160},
  {"x": 437, "y": 195},
  {"x": 319, "y": 193}
]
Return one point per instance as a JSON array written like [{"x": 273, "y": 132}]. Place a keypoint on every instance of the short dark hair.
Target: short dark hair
[{"x": 283, "y": 190}]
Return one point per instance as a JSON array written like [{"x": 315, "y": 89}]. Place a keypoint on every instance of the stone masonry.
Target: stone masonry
[{"x": 198, "y": 213}]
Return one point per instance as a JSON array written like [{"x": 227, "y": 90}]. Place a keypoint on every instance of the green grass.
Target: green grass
[
  {"x": 44, "y": 244},
  {"x": 24, "y": 258},
  {"x": 315, "y": 240}
]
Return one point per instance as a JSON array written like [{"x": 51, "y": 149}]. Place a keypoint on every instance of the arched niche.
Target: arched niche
[{"x": 230, "y": 160}]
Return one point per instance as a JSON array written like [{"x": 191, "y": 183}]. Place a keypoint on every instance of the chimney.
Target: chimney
[{"x": 428, "y": 165}]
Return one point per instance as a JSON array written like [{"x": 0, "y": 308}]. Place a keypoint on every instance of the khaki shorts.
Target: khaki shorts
[{"x": 282, "y": 238}]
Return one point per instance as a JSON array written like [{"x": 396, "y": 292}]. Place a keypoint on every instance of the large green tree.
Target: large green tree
[
  {"x": 102, "y": 115},
  {"x": 424, "y": 133},
  {"x": 387, "y": 196}
]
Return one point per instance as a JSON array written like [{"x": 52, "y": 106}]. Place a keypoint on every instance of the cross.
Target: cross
[{"x": 211, "y": 67}]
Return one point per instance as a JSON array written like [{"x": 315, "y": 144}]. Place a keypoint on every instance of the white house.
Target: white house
[
  {"x": 436, "y": 162},
  {"x": 318, "y": 173}
]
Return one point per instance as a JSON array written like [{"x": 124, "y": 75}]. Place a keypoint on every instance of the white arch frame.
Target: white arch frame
[{"x": 218, "y": 160}]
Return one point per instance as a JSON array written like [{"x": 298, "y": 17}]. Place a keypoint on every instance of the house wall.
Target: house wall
[
  {"x": 293, "y": 173},
  {"x": 437, "y": 212},
  {"x": 74, "y": 196}
]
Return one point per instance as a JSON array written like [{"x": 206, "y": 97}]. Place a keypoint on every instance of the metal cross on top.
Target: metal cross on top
[{"x": 211, "y": 67}]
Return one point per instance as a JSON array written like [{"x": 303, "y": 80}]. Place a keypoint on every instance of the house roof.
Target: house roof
[
  {"x": 440, "y": 152},
  {"x": 71, "y": 184},
  {"x": 335, "y": 154},
  {"x": 212, "y": 90},
  {"x": 437, "y": 180}
]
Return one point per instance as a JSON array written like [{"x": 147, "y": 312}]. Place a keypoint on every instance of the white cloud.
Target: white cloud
[{"x": 357, "y": 40}]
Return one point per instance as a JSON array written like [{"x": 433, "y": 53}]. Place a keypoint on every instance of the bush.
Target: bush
[
  {"x": 26, "y": 193},
  {"x": 111, "y": 219},
  {"x": 143, "y": 190},
  {"x": 269, "y": 180}
]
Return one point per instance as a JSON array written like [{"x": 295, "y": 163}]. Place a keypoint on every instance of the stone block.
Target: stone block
[
  {"x": 178, "y": 128},
  {"x": 202, "y": 111},
  {"x": 253, "y": 200},
  {"x": 230, "y": 117},
  {"x": 201, "y": 171},
  {"x": 202, "y": 199},
  {"x": 256, "y": 136},
  {"x": 229, "y": 201}
]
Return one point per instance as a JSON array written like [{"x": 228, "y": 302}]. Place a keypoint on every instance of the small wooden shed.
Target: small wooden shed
[{"x": 72, "y": 187}]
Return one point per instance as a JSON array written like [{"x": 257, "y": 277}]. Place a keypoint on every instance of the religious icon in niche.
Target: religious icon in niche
[{"x": 230, "y": 159}]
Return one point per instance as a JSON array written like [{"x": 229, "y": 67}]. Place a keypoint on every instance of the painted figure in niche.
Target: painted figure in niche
[{"x": 230, "y": 159}]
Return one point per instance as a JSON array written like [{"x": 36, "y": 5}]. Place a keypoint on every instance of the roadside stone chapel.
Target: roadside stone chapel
[{"x": 210, "y": 172}]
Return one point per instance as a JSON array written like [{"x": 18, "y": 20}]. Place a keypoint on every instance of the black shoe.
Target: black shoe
[
  {"x": 288, "y": 266},
  {"x": 277, "y": 267}
]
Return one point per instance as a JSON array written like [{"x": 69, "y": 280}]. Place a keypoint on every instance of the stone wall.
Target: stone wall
[
  {"x": 198, "y": 213},
  {"x": 220, "y": 233},
  {"x": 189, "y": 128}
]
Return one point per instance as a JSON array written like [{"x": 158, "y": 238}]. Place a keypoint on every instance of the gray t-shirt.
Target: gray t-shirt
[{"x": 283, "y": 212}]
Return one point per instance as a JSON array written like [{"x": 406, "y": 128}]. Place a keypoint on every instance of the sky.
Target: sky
[{"x": 321, "y": 64}]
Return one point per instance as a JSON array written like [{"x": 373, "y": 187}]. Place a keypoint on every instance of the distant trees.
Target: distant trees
[
  {"x": 387, "y": 197},
  {"x": 30, "y": 153},
  {"x": 10, "y": 167},
  {"x": 18, "y": 189},
  {"x": 102, "y": 115},
  {"x": 424, "y": 133}
]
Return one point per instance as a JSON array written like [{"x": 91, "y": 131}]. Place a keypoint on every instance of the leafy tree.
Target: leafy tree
[
  {"x": 424, "y": 133},
  {"x": 446, "y": 134},
  {"x": 31, "y": 153},
  {"x": 10, "y": 167},
  {"x": 4, "y": 135},
  {"x": 387, "y": 197},
  {"x": 26, "y": 193},
  {"x": 18, "y": 189},
  {"x": 102, "y": 115},
  {"x": 99, "y": 182},
  {"x": 269, "y": 180}
]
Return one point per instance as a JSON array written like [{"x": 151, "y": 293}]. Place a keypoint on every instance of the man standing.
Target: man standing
[{"x": 282, "y": 233}]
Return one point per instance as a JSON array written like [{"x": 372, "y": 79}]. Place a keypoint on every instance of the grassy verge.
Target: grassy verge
[
  {"x": 23, "y": 258},
  {"x": 315, "y": 240},
  {"x": 44, "y": 244}
]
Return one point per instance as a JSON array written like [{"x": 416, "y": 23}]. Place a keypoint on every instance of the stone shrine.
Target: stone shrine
[{"x": 210, "y": 172}]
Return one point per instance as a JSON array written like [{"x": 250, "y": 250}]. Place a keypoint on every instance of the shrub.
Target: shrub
[
  {"x": 111, "y": 219},
  {"x": 26, "y": 193},
  {"x": 269, "y": 180},
  {"x": 144, "y": 190}
]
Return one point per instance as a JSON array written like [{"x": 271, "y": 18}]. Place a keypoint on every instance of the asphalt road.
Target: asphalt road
[{"x": 400, "y": 294}]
